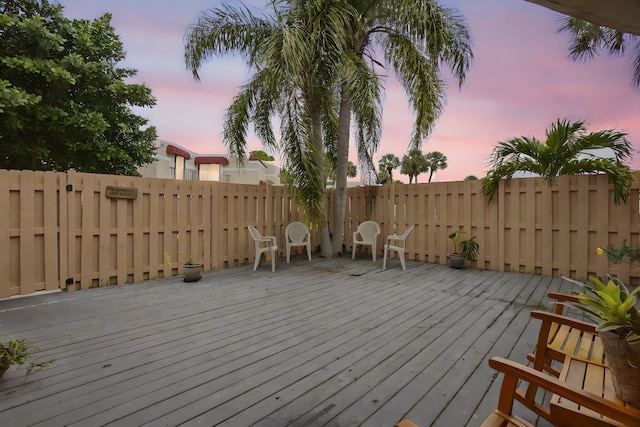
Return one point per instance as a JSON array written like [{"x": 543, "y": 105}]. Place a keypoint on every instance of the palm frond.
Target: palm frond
[{"x": 224, "y": 30}]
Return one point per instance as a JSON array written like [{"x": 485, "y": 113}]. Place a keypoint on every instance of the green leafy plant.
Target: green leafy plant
[
  {"x": 612, "y": 306},
  {"x": 624, "y": 252},
  {"x": 189, "y": 261},
  {"x": 19, "y": 352},
  {"x": 468, "y": 248}
]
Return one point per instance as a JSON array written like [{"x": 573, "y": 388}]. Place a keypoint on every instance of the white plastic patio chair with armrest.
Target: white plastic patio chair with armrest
[
  {"x": 398, "y": 244},
  {"x": 368, "y": 232},
  {"x": 297, "y": 234},
  {"x": 263, "y": 245}
]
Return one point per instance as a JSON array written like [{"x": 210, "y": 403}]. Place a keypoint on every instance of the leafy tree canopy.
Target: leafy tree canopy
[
  {"x": 63, "y": 101},
  {"x": 387, "y": 164}
]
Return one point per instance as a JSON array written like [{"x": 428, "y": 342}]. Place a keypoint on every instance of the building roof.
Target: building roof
[
  {"x": 211, "y": 160},
  {"x": 177, "y": 150},
  {"x": 623, "y": 15}
]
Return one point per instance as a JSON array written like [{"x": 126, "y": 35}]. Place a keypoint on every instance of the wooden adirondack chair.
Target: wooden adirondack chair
[{"x": 562, "y": 335}]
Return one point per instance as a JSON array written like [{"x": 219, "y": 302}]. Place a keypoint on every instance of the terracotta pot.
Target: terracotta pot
[
  {"x": 192, "y": 272},
  {"x": 624, "y": 361}
]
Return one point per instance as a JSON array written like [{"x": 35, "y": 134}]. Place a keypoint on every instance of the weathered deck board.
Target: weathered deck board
[{"x": 330, "y": 343}]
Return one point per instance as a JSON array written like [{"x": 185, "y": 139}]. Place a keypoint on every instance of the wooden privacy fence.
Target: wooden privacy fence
[{"x": 76, "y": 231}]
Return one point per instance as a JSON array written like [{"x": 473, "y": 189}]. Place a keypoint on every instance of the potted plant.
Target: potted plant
[
  {"x": 467, "y": 249},
  {"x": 615, "y": 311},
  {"x": 19, "y": 352},
  {"x": 190, "y": 270}
]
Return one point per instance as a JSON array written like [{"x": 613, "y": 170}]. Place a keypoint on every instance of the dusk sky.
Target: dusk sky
[{"x": 520, "y": 82}]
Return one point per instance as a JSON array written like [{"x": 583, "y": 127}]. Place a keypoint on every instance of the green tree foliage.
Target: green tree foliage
[
  {"x": 387, "y": 164},
  {"x": 436, "y": 161},
  {"x": 63, "y": 101},
  {"x": 383, "y": 177},
  {"x": 564, "y": 152},
  {"x": 588, "y": 40},
  {"x": 413, "y": 164},
  {"x": 471, "y": 178},
  {"x": 352, "y": 170}
]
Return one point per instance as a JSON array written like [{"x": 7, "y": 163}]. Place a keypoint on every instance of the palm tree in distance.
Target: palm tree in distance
[
  {"x": 436, "y": 161},
  {"x": 413, "y": 164},
  {"x": 388, "y": 163},
  {"x": 564, "y": 152},
  {"x": 588, "y": 39}
]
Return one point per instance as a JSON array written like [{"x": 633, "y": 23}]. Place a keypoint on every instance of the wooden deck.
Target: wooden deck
[{"x": 328, "y": 343}]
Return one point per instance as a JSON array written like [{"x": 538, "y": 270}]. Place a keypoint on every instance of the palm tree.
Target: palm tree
[
  {"x": 388, "y": 163},
  {"x": 564, "y": 152},
  {"x": 314, "y": 62},
  {"x": 413, "y": 164},
  {"x": 293, "y": 56},
  {"x": 415, "y": 39},
  {"x": 436, "y": 161},
  {"x": 588, "y": 39}
]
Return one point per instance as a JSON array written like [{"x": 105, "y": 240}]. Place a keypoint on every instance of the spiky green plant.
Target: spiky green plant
[{"x": 612, "y": 306}]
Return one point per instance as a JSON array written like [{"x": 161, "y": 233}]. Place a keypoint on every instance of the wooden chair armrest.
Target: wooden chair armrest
[
  {"x": 514, "y": 371},
  {"x": 545, "y": 316},
  {"x": 561, "y": 299}
]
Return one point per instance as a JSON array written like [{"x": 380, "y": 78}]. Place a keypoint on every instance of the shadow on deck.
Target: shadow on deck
[{"x": 331, "y": 343}]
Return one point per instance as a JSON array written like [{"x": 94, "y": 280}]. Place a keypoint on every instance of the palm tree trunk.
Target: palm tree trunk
[
  {"x": 316, "y": 124},
  {"x": 344, "y": 121}
]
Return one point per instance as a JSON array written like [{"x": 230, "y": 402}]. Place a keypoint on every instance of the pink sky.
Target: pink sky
[{"x": 520, "y": 82}]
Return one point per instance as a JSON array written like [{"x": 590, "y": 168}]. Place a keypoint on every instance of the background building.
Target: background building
[{"x": 176, "y": 162}]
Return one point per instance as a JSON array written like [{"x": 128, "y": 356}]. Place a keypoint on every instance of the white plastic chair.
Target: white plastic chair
[
  {"x": 398, "y": 244},
  {"x": 368, "y": 232},
  {"x": 264, "y": 244},
  {"x": 297, "y": 234}
]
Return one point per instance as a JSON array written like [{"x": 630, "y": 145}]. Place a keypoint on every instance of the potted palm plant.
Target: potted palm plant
[
  {"x": 466, "y": 249},
  {"x": 615, "y": 311},
  {"x": 190, "y": 269}
]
